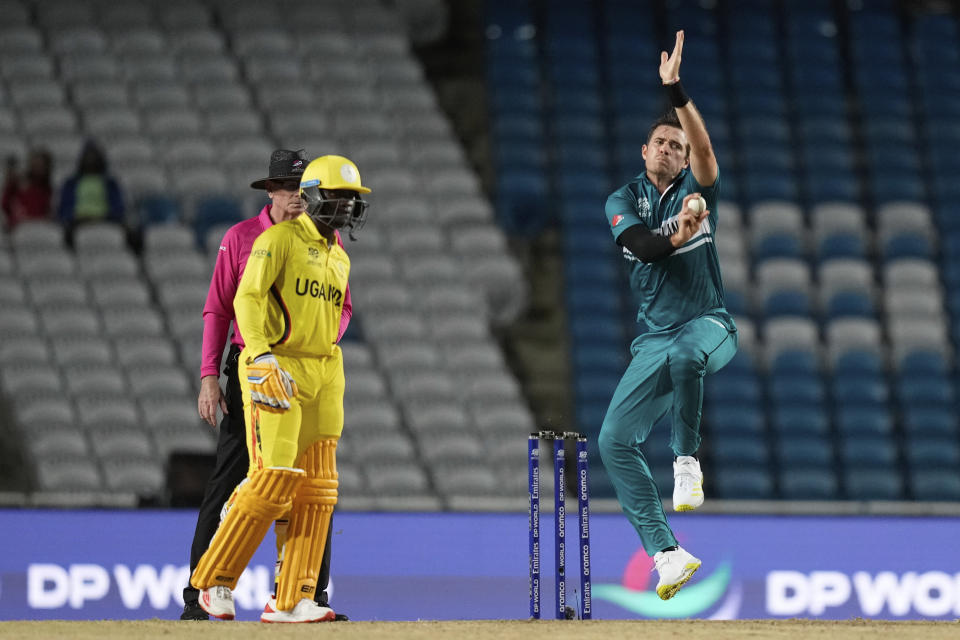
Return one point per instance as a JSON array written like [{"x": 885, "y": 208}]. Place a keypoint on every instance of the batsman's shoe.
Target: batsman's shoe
[
  {"x": 193, "y": 611},
  {"x": 675, "y": 568},
  {"x": 304, "y": 611},
  {"x": 218, "y": 602},
  {"x": 340, "y": 617},
  {"x": 687, "y": 484}
]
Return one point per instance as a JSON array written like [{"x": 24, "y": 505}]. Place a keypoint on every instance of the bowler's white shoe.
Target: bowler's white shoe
[
  {"x": 304, "y": 611},
  {"x": 675, "y": 568},
  {"x": 687, "y": 484},
  {"x": 218, "y": 602}
]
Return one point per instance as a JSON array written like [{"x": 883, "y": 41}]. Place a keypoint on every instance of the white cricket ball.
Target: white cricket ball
[{"x": 697, "y": 205}]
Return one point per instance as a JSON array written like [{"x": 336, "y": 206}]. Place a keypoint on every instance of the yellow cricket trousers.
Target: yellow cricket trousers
[{"x": 278, "y": 439}]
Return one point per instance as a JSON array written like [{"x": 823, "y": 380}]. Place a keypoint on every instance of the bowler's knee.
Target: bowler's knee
[
  {"x": 609, "y": 442},
  {"x": 685, "y": 362}
]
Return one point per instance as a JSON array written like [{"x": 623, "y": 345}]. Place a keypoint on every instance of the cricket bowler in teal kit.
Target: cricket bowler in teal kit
[{"x": 667, "y": 236}]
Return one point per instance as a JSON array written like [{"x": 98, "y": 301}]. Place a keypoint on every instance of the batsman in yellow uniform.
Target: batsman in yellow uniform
[{"x": 288, "y": 309}]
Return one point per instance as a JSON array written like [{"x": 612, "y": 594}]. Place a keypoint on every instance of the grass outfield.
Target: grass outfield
[{"x": 494, "y": 629}]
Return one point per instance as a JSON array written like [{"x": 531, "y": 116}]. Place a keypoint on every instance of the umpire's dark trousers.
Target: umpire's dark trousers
[{"x": 230, "y": 469}]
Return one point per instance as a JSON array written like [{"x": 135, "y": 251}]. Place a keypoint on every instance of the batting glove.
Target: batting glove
[{"x": 270, "y": 386}]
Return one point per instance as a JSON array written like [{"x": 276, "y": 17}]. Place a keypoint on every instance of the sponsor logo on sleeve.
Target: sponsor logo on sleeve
[{"x": 617, "y": 219}]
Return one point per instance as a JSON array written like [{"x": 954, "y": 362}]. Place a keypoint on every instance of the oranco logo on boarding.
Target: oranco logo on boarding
[{"x": 829, "y": 593}]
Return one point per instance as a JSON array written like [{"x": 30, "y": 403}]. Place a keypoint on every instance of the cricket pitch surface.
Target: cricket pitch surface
[{"x": 483, "y": 629}]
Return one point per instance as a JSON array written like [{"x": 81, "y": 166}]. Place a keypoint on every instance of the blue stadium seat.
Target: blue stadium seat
[
  {"x": 519, "y": 126},
  {"x": 893, "y": 107},
  {"x": 795, "y": 361},
  {"x": 506, "y": 76},
  {"x": 793, "y": 420},
  {"x": 854, "y": 421},
  {"x": 808, "y": 484},
  {"x": 740, "y": 363},
  {"x": 523, "y": 156},
  {"x": 816, "y": 80},
  {"x": 835, "y": 129},
  {"x": 797, "y": 389},
  {"x": 738, "y": 483},
  {"x": 504, "y": 103},
  {"x": 889, "y": 130},
  {"x": 595, "y": 388},
  {"x": 850, "y": 303},
  {"x": 891, "y": 188},
  {"x": 868, "y": 452},
  {"x": 812, "y": 102},
  {"x": 804, "y": 452},
  {"x": 732, "y": 388},
  {"x": 770, "y": 131},
  {"x": 730, "y": 451},
  {"x": 778, "y": 245},
  {"x": 736, "y": 302},
  {"x": 589, "y": 270},
  {"x": 770, "y": 185},
  {"x": 787, "y": 303},
  {"x": 873, "y": 484},
  {"x": 158, "y": 209},
  {"x": 759, "y": 157},
  {"x": 608, "y": 330},
  {"x": 874, "y": 83},
  {"x": 829, "y": 158},
  {"x": 944, "y": 188},
  {"x": 932, "y": 452},
  {"x": 590, "y": 414},
  {"x": 923, "y": 362},
  {"x": 734, "y": 419},
  {"x": 860, "y": 390},
  {"x": 585, "y": 129},
  {"x": 858, "y": 361},
  {"x": 841, "y": 244},
  {"x": 842, "y": 187},
  {"x": 521, "y": 201},
  {"x": 759, "y": 103},
  {"x": 579, "y": 102},
  {"x": 936, "y": 484},
  {"x": 925, "y": 391},
  {"x": 215, "y": 210},
  {"x": 930, "y": 421},
  {"x": 906, "y": 244}
]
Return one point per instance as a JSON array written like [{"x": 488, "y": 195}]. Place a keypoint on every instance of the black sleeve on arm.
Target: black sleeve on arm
[{"x": 642, "y": 243}]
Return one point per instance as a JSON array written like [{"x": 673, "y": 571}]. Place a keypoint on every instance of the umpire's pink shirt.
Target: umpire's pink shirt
[{"x": 218, "y": 310}]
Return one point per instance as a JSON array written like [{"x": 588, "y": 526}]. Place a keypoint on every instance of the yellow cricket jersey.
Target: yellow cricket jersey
[{"x": 291, "y": 295}]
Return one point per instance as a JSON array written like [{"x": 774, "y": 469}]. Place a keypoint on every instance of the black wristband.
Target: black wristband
[{"x": 678, "y": 97}]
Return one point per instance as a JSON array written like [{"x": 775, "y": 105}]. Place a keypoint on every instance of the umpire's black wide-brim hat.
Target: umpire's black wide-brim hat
[{"x": 284, "y": 165}]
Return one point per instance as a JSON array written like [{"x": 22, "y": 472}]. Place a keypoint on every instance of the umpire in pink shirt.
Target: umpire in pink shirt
[{"x": 283, "y": 188}]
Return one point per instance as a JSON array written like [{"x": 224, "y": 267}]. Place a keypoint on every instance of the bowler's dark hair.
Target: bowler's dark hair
[{"x": 671, "y": 120}]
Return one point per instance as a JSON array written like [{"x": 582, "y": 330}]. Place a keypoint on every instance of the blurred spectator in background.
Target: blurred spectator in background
[
  {"x": 91, "y": 194},
  {"x": 28, "y": 196}
]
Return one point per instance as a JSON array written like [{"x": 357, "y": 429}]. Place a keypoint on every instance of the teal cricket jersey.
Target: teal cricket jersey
[{"x": 687, "y": 283}]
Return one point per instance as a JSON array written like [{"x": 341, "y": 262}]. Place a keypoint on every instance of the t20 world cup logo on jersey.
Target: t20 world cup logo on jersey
[{"x": 644, "y": 207}]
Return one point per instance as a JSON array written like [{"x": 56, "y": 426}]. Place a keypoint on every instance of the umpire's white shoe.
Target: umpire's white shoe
[
  {"x": 304, "y": 611},
  {"x": 687, "y": 484},
  {"x": 218, "y": 602},
  {"x": 675, "y": 568}
]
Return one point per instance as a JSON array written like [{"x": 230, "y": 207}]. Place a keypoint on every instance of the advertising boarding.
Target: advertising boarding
[{"x": 410, "y": 566}]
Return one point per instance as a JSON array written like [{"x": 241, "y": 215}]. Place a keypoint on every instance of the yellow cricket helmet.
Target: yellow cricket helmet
[
  {"x": 332, "y": 172},
  {"x": 328, "y": 174}
]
